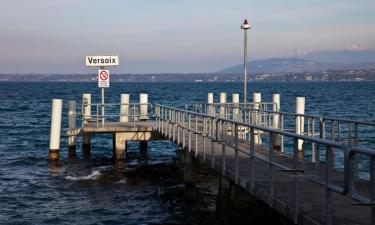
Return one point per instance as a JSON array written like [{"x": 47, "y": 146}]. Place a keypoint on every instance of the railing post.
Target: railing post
[
  {"x": 189, "y": 132},
  {"x": 183, "y": 130},
  {"x": 270, "y": 170},
  {"x": 178, "y": 127},
  {"x": 213, "y": 140},
  {"x": 236, "y": 152},
  {"x": 295, "y": 183},
  {"x": 252, "y": 163},
  {"x": 328, "y": 170},
  {"x": 196, "y": 136},
  {"x": 223, "y": 160},
  {"x": 162, "y": 120},
  {"x": 372, "y": 188},
  {"x": 313, "y": 150}
]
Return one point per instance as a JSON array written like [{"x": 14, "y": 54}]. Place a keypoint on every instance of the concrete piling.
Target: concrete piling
[
  {"x": 300, "y": 120},
  {"x": 223, "y": 101},
  {"x": 86, "y": 112},
  {"x": 257, "y": 99},
  {"x": 143, "y": 145},
  {"x": 124, "y": 108},
  {"x": 143, "y": 100},
  {"x": 275, "y": 121},
  {"x": 54, "y": 145},
  {"x": 210, "y": 102},
  {"x": 120, "y": 148},
  {"x": 236, "y": 103},
  {"x": 72, "y": 115},
  {"x": 86, "y": 106}
]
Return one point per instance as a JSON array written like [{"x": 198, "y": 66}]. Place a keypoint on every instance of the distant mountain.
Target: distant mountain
[
  {"x": 342, "y": 57},
  {"x": 293, "y": 65}
]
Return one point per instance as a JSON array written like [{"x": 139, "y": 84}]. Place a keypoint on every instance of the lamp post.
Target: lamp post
[{"x": 245, "y": 26}]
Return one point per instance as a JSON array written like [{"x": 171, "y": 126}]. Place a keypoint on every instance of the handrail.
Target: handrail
[{"x": 133, "y": 112}]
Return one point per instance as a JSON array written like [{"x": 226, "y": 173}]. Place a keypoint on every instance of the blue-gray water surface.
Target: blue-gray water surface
[{"x": 90, "y": 191}]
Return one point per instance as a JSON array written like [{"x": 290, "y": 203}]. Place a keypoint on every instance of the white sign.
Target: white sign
[
  {"x": 102, "y": 60},
  {"x": 103, "y": 78}
]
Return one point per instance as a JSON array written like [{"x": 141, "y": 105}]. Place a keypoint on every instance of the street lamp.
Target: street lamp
[{"x": 245, "y": 26}]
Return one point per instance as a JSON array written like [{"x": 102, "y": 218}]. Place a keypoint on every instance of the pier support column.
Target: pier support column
[
  {"x": 124, "y": 108},
  {"x": 300, "y": 120},
  {"x": 276, "y": 121},
  {"x": 86, "y": 145},
  {"x": 236, "y": 206},
  {"x": 86, "y": 112},
  {"x": 257, "y": 100},
  {"x": 120, "y": 150},
  {"x": 186, "y": 160},
  {"x": 210, "y": 102},
  {"x": 223, "y": 101},
  {"x": 54, "y": 144},
  {"x": 143, "y": 100},
  {"x": 143, "y": 145},
  {"x": 72, "y": 141}
]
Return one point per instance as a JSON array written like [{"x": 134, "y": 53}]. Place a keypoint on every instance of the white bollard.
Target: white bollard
[
  {"x": 257, "y": 99},
  {"x": 275, "y": 120},
  {"x": 54, "y": 145},
  {"x": 236, "y": 103},
  {"x": 300, "y": 120},
  {"x": 124, "y": 108},
  {"x": 143, "y": 100},
  {"x": 223, "y": 101},
  {"x": 72, "y": 115},
  {"x": 210, "y": 102},
  {"x": 275, "y": 108},
  {"x": 86, "y": 107}
]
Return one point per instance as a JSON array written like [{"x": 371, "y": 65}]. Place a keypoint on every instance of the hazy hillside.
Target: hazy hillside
[
  {"x": 294, "y": 65},
  {"x": 344, "y": 57}
]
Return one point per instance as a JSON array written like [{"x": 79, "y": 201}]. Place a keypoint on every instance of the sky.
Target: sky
[{"x": 174, "y": 36}]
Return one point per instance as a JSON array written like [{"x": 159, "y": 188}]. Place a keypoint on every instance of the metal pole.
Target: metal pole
[
  {"x": 245, "y": 26},
  {"x": 245, "y": 67},
  {"x": 102, "y": 67}
]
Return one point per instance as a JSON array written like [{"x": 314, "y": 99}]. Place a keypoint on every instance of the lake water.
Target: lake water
[{"x": 149, "y": 192}]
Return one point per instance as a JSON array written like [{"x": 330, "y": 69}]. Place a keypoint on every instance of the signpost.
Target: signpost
[{"x": 103, "y": 75}]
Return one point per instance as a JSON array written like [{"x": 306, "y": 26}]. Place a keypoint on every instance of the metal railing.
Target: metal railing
[
  {"x": 345, "y": 131},
  {"x": 115, "y": 112},
  {"x": 172, "y": 121}
]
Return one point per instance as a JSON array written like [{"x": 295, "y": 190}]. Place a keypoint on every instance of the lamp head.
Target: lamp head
[{"x": 245, "y": 25}]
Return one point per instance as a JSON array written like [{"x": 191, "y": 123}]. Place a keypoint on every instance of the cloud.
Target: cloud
[
  {"x": 300, "y": 51},
  {"x": 355, "y": 47}
]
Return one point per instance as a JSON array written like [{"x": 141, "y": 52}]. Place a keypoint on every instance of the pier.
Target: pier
[{"x": 306, "y": 167}]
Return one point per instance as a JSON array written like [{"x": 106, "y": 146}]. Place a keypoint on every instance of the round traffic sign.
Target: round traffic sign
[{"x": 103, "y": 75}]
